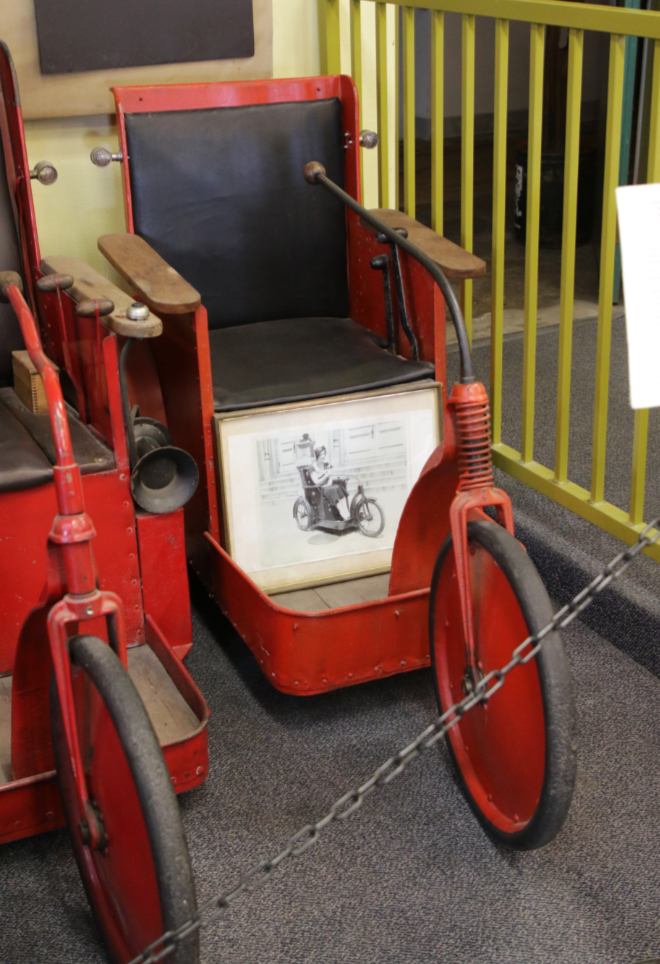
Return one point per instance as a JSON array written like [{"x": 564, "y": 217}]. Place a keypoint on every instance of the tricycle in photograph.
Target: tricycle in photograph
[
  {"x": 100, "y": 722},
  {"x": 292, "y": 315},
  {"x": 325, "y": 502}
]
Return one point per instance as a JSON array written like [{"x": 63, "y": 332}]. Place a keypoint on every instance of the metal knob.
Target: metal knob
[
  {"x": 312, "y": 171},
  {"x": 45, "y": 172},
  {"x": 89, "y": 307},
  {"x": 101, "y": 156},
  {"x": 368, "y": 139},
  {"x": 137, "y": 312},
  {"x": 51, "y": 282},
  {"x": 9, "y": 278}
]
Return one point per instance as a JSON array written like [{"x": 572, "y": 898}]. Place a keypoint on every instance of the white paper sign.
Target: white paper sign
[{"x": 639, "y": 232}]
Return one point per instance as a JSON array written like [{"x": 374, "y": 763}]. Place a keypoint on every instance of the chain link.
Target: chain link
[{"x": 353, "y": 800}]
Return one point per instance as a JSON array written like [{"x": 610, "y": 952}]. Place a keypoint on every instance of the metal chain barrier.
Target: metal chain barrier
[{"x": 353, "y": 800}]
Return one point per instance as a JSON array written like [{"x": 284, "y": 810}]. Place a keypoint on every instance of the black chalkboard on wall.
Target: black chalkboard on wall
[{"x": 81, "y": 35}]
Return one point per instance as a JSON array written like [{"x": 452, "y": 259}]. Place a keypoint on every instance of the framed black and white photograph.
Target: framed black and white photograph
[{"x": 313, "y": 493}]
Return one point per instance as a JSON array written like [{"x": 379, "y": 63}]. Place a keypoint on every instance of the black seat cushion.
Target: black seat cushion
[
  {"x": 220, "y": 194},
  {"x": 22, "y": 463},
  {"x": 88, "y": 451},
  {"x": 299, "y": 358}
]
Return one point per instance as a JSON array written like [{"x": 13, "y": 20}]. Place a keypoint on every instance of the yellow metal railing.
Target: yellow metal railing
[{"x": 539, "y": 14}]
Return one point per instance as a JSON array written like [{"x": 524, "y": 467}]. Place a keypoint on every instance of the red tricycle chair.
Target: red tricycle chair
[
  {"x": 276, "y": 288},
  {"x": 90, "y": 617}
]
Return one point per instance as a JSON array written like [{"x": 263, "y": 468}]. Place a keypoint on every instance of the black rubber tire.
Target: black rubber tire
[
  {"x": 151, "y": 778},
  {"x": 303, "y": 503},
  {"x": 555, "y": 682},
  {"x": 375, "y": 507}
]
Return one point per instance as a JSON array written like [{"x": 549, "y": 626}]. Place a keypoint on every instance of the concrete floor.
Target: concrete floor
[{"x": 587, "y": 255}]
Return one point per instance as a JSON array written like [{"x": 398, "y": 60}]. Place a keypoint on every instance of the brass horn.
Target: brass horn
[{"x": 163, "y": 477}]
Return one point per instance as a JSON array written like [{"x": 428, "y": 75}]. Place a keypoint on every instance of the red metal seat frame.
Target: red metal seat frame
[
  {"x": 305, "y": 653},
  {"x": 140, "y": 557}
]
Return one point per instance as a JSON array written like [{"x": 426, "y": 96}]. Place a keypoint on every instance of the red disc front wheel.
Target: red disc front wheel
[
  {"x": 516, "y": 754},
  {"x": 139, "y": 882}
]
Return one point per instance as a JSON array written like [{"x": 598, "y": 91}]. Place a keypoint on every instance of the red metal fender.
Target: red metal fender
[{"x": 424, "y": 523}]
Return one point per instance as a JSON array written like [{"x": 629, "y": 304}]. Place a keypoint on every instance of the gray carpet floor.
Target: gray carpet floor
[{"x": 409, "y": 879}]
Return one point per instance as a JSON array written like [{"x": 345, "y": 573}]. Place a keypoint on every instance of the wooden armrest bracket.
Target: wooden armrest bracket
[
  {"x": 453, "y": 260},
  {"x": 89, "y": 285},
  {"x": 159, "y": 286}
]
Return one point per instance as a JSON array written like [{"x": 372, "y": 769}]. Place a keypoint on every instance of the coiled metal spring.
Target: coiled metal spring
[{"x": 473, "y": 425}]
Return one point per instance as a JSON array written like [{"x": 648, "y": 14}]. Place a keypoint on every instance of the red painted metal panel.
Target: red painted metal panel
[
  {"x": 308, "y": 653},
  {"x": 184, "y": 366},
  {"x": 142, "y": 379},
  {"x": 136, "y": 100},
  {"x": 24, "y": 525},
  {"x": 30, "y": 806},
  {"x": 165, "y": 596},
  {"x": 187, "y": 760},
  {"x": 173, "y": 663},
  {"x": 424, "y": 524},
  {"x": 426, "y": 306}
]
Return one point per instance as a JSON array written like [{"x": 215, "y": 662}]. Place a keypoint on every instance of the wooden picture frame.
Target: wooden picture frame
[{"x": 377, "y": 440}]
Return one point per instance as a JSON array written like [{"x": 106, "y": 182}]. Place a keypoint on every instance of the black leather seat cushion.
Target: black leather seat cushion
[
  {"x": 22, "y": 463},
  {"x": 299, "y": 358},
  {"x": 89, "y": 452},
  {"x": 220, "y": 194}
]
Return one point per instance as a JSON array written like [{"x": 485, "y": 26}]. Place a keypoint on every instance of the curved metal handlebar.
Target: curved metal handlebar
[
  {"x": 43, "y": 364},
  {"x": 314, "y": 173}
]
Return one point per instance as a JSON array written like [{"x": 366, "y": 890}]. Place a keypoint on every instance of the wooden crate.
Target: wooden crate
[{"x": 28, "y": 384}]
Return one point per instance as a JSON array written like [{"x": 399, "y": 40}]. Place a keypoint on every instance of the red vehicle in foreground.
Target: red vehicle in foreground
[
  {"x": 100, "y": 722},
  {"x": 282, "y": 298}
]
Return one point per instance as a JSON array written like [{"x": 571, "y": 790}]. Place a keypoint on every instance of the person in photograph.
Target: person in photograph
[{"x": 335, "y": 493}]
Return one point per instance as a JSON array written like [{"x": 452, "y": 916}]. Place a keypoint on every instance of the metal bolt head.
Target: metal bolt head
[
  {"x": 44, "y": 172},
  {"x": 137, "y": 311},
  {"x": 101, "y": 156},
  {"x": 89, "y": 611},
  {"x": 368, "y": 139}
]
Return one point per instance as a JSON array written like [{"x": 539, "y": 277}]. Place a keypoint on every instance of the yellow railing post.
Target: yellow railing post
[
  {"x": 569, "y": 229},
  {"x": 499, "y": 218},
  {"x": 332, "y": 38},
  {"x": 608, "y": 237},
  {"x": 437, "y": 118},
  {"x": 537, "y": 44},
  {"x": 641, "y": 430},
  {"x": 467, "y": 156},
  {"x": 382, "y": 103},
  {"x": 356, "y": 46},
  {"x": 397, "y": 112},
  {"x": 408, "y": 41},
  {"x": 356, "y": 66}
]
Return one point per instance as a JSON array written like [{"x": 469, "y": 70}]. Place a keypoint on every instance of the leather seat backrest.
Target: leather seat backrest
[
  {"x": 10, "y": 260},
  {"x": 220, "y": 194}
]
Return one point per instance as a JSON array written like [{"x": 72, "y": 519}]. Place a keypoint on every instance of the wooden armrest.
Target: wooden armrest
[
  {"x": 159, "y": 286},
  {"x": 88, "y": 283},
  {"x": 449, "y": 257}
]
